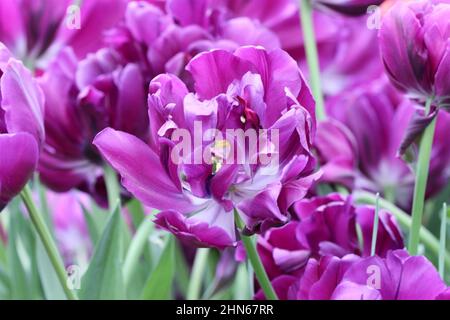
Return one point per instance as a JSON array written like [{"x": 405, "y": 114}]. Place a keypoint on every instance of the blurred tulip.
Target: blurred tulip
[
  {"x": 414, "y": 40},
  {"x": 21, "y": 126}
]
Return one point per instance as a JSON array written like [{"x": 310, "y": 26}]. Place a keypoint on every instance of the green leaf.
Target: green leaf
[
  {"x": 159, "y": 283},
  {"x": 93, "y": 228},
  {"x": 3, "y": 248},
  {"x": 242, "y": 284},
  {"x": 182, "y": 275},
  {"x": 4, "y": 285},
  {"x": 136, "y": 211},
  {"x": 136, "y": 248},
  {"x": 49, "y": 280},
  {"x": 103, "y": 279},
  {"x": 19, "y": 262}
]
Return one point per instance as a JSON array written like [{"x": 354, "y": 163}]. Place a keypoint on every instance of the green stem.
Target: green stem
[
  {"x": 312, "y": 56},
  {"x": 422, "y": 169},
  {"x": 375, "y": 225},
  {"x": 255, "y": 260},
  {"x": 198, "y": 270},
  {"x": 47, "y": 240},
  {"x": 427, "y": 238},
  {"x": 443, "y": 239},
  {"x": 112, "y": 186},
  {"x": 137, "y": 245}
]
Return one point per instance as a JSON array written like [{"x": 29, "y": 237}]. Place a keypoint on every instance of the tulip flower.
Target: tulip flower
[
  {"x": 359, "y": 145},
  {"x": 21, "y": 126},
  {"x": 249, "y": 89},
  {"x": 325, "y": 226},
  {"x": 82, "y": 98},
  {"x": 108, "y": 87},
  {"x": 414, "y": 47},
  {"x": 414, "y": 41},
  {"x": 165, "y": 40},
  {"x": 36, "y": 30},
  {"x": 398, "y": 276}
]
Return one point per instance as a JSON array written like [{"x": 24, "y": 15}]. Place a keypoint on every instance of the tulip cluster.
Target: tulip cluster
[{"x": 259, "y": 149}]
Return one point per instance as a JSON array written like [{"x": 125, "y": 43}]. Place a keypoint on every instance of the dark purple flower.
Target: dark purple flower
[
  {"x": 108, "y": 87},
  {"x": 35, "y": 30},
  {"x": 325, "y": 226},
  {"x": 414, "y": 40},
  {"x": 21, "y": 126},
  {"x": 165, "y": 40},
  {"x": 398, "y": 276},
  {"x": 250, "y": 89},
  {"x": 82, "y": 98},
  {"x": 350, "y": 56},
  {"x": 280, "y": 17},
  {"x": 359, "y": 145}
]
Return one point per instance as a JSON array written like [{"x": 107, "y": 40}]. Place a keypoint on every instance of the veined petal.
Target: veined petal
[
  {"x": 194, "y": 230},
  {"x": 141, "y": 170},
  {"x": 22, "y": 100},
  {"x": 214, "y": 71}
]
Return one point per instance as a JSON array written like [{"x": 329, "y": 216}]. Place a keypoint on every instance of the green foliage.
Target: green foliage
[{"x": 103, "y": 279}]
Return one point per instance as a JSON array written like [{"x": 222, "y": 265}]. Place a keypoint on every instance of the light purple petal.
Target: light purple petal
[
  {"x": 214, "y": 71},
  {"x": 22, "y": 100},
  {"x": 193, "y": 231}
]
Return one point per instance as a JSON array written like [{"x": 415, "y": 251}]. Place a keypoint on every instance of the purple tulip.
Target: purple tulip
[
  {"x": 21, "y": 126},
  {"x": 165, "y": 40},
  {"x": 325, "y": 226},
  {"x": 250, "y": 89},
  {"x": 398, "y": 276},
  {"x": 108, "y": 88},
  {"x": 359, "y": 145},
  {"x": 82, "y": 98},
  {"x": 350, "y": 56},
  {"x": 38, "y": 29},
  {"x": 414, "y": 41},
  {"x": 280, "y": 17},
  {"x": 348, "y": 7}
]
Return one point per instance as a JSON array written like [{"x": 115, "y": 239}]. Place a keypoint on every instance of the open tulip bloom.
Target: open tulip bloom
[{"x": 224, "y": 149}]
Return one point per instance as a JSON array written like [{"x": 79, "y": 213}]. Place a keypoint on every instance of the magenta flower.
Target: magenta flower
[
  {"x": 349, "y": 56},
  {"x": 82, "y": 98},
  {"x": 21, "y": 125},
  {"x": 165, "y": 40},
  {"x": 325, "y": 226},
  {"x": 250, "y": 89},
  {"x": 359, "y": 146},
  {"x": 108, "y": 88},
  {"x": 398, "y": 276},
  {"x": 414, "y": 40},
  {"x": 348, "y": 7},
  {"x": 37, "y": 29}
]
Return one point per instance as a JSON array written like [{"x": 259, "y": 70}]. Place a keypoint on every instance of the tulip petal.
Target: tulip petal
[
  {"x": 193, "y": 230},
  {"x": 18, "y": 161},
  {"x": 141, "y": 170},
  {"x": 22, "y": 100},
  {"x": 214, "y": 71}
]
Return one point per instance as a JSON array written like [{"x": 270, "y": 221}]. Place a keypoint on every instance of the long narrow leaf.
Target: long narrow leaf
[
  {"x": 103, "y": 279},
  {"x": 160, "y": 281}
]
